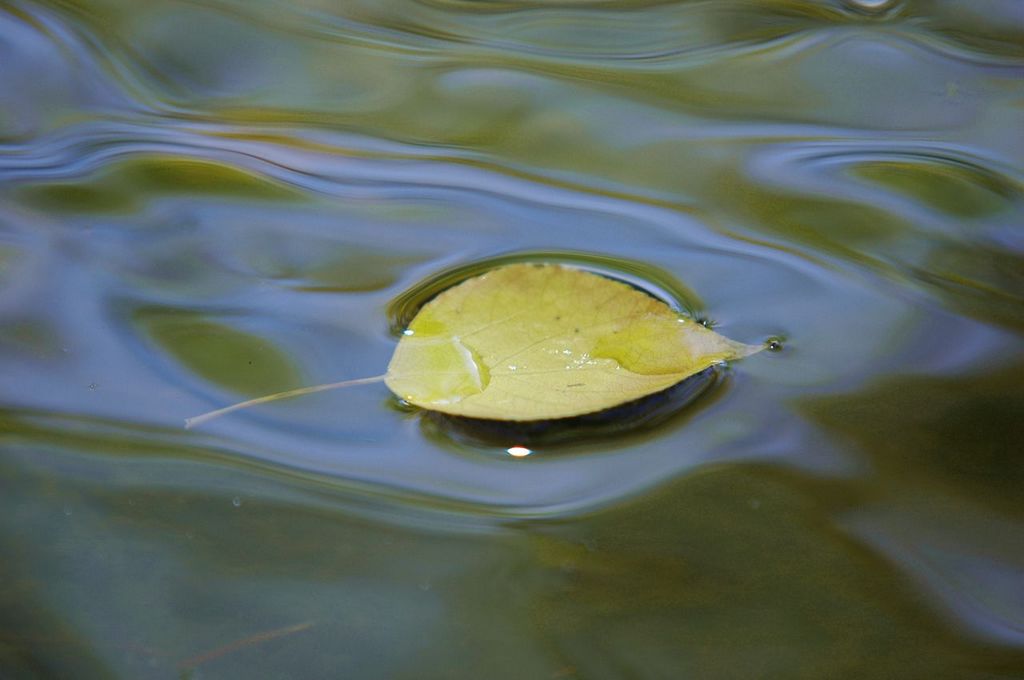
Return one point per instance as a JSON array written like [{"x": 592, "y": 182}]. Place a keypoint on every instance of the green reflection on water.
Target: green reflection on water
[
  {"x": 357, "y": 269},
  {"x": 949, "y": 188},
  {"x": 733, "y": 573},
  {"x": 980, "y": 280},
  {"x": 961, "y": 433},
  {"x": 228, "y": 357},
  {"x": 131, "y": 182},
  {"x": 124, "y": 553},
  {"x": 145, "y": 560}
]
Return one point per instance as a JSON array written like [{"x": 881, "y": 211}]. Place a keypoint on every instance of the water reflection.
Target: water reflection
[
  {"x": 960, "y": 189},
  {"x": 966, "y": 558},
  {"x": 217, "y": 352},
  {"x": 664, "y": 583},
  {"x": 957, "y": 432},
  {"x": 946, "y": 506},
  {"x": 190, "y": 186}
]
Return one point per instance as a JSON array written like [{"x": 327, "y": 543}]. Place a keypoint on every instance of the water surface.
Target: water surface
[{"x": 203, "y": 201}]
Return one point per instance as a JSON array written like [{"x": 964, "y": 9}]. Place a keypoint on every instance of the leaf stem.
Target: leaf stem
[{"x": 210, "y": 415}]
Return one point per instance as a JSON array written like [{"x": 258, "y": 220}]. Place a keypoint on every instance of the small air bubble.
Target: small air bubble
[
  {"x": 93, "y": 386},
  {"x": 236, "y": 501}
]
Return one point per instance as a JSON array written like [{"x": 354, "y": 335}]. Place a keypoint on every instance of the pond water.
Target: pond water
[{"x": 207, "y": 200}]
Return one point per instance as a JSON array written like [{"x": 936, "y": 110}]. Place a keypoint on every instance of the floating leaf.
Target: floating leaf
[
  {"x": 539, "y": 342},
  {"x": 529, "y": 342}
]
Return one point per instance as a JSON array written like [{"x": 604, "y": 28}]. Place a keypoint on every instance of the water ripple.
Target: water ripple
[{"x": 205, "y": 200}]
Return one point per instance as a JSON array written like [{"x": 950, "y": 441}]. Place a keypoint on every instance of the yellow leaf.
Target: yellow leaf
[
  {"x": 545, "y": 341},
  {"x": 528, "y": 342}
]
